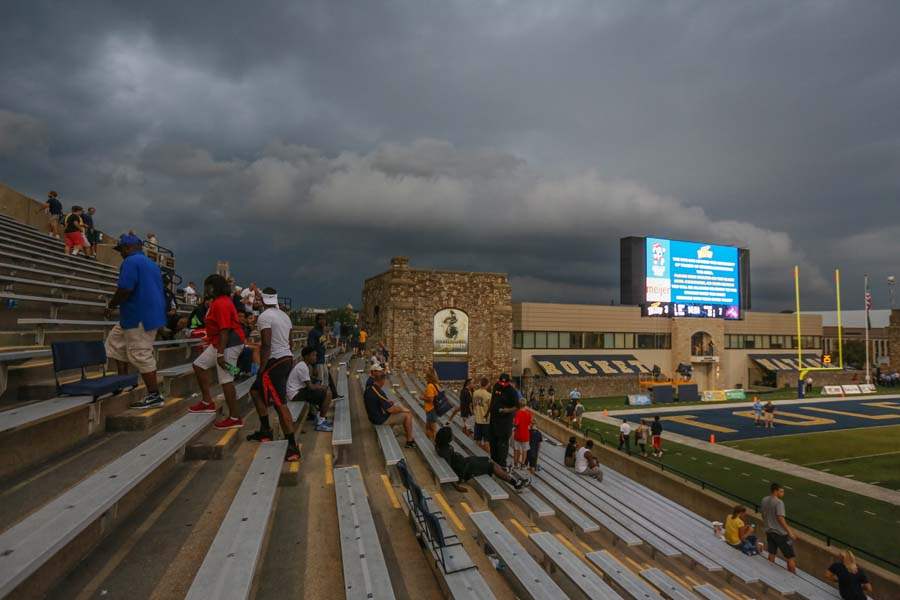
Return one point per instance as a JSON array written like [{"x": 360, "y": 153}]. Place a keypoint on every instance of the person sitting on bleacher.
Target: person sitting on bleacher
[
  {"x": 739, "y": 534},
  {"x": 270, "y": 387},
  {"x": 226, "y": 342},
  {"x": 380, "y": 409},
  {"x": 300, "y": 388},
  {"x": 142, "y": 311},
  {"x": 467, "y": 467},
  {"x": 586, "y": 463}
]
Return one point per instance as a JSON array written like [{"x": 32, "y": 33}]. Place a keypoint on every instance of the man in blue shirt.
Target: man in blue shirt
[{"x": 142, "y": 311}]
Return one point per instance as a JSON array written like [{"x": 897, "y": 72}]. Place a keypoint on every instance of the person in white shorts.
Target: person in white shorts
[{"x": 225, "y": 336}]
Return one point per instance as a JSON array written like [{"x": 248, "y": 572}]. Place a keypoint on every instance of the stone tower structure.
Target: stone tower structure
[{"x": 460, "y": 322}]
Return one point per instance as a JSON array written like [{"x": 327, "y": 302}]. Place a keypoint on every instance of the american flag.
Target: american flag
[
  {"x": 868, "y": 300},
  {"x": 868, "y": 305}
]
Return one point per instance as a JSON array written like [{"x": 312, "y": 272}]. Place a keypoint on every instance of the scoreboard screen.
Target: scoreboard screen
[{"x": 675, "y": 278}]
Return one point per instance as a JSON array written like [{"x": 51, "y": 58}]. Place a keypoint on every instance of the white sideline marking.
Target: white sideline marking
[
  {"x": 746, "y": 474},
  {"x": 869, "y": 512},
  {"x": 825, "y": 462},
  {"x": 839, "y": 503},
  {"x": 811, "y": 495}
]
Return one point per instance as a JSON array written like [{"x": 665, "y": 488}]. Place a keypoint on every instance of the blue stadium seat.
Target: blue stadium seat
[{"x": 68, "y": 356}]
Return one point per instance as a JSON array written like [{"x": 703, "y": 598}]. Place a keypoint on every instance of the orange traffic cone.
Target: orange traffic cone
[{"x": 712, "y": 438}]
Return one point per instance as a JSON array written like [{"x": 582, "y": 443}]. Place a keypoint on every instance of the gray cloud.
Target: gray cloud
[{"x": 524, "y": 138}]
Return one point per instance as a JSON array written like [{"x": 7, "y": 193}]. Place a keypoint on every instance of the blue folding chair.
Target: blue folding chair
[{"x": 70, "y": 356}]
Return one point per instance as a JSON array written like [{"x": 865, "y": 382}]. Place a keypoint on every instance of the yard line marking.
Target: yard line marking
[
  {"x": 449, "y": 512},
  {"x": 693, "y": 458},
  {"x": 874, "y": 482},
  {"x": 825, "y": 462},
  {"x": 765, "y": 480},
  {"x": 787, "y": 487},
  {"x": 825, "y": 470},
  {"x": 727, "y": 468},
  {"x": 850, "y": 475},
  {"x": 811, "y": 495},
  {"x": 709, "y": 463},
  {"x": 387, "y": 488},
  {"x": 839, "y": 503},
  {"x": 869, "y": 512},
  {"x": 746, "y": 474}
]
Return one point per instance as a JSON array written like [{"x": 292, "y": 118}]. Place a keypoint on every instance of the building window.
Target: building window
[
  {"x": 540, "y": 339},
  {"x": 528, "y": 339},
  {"x": 553, "y": 339},
  {"x": 646, "y": 341},
  {"x": 749, "y": 341},
  {"x": 565, "y": 340},
  {"x": 517, "y": 339},
  {"x": 663, "y": 341}
]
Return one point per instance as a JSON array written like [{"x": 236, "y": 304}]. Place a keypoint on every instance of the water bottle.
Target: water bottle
[{"x": 233, "y": 369}]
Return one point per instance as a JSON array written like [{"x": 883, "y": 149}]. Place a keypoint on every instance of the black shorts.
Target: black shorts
[
  {"x": 311, "y": 396},
  {"x": 272, "y": 380},
  {"x": 776, "y": 542},
  {"x": 482, "y": 432}
]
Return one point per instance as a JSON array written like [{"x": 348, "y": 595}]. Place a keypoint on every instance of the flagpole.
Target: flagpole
[{"x": 867, "y": 302}]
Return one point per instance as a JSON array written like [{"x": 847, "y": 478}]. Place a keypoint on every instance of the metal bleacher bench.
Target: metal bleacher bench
[
  {"x": 670, "y": 588},
  {"x": 390, "y": 448},
  {"x": 585, "y": 579},
  {"x": 228, "y": 571},
  {"x": 34, "y": 413},
  {"x": 366, "y": 575},
  {"x": 51, "y": 300},
  {"x": 54, "y": 285},
  {"x": 439, "y": 467},
  {"x": 532, "y": 579},
  {"x": 711, "y": 592},
  {"x": 628, "y": 581},
  {"x": 56, "y": 275},
  {"x": 491, "y": 490},
  {"x": 568, "y": 511},
  {"x": 342, "y": 435},
  {"x": 37, "y": 539},
  {"x": 54, "y": 264}
]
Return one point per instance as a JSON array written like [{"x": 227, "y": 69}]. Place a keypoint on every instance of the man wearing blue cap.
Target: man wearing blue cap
[{"x": 142, "y": 311}]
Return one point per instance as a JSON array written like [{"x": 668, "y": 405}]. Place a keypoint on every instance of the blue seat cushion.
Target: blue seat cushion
[{"x": 99, "y": 386}]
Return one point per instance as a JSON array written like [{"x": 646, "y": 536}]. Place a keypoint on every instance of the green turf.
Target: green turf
[
  {"x": 818, "y": 450},
  {"x": 867, "y": 524}
]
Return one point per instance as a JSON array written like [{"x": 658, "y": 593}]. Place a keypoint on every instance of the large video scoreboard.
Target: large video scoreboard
[{"x": 675, "y": 278}]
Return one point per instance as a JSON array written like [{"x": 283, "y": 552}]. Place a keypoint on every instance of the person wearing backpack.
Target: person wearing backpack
[{"x": 429, "y": 396}]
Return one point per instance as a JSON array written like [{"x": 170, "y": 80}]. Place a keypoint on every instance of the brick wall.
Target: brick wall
[{"x": 399, "y": 307}]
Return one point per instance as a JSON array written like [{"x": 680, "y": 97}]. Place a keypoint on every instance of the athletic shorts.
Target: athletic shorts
[
  {"x": 776, "y": 542},
  {"x": 431, "y": 417},
  {"x": 209, "y": 359},
  {"x": 311, "y": 396},
  {"x": 521, "y": 446},
  {"x": 657, "y": 442},
  {"x": 272, "y": 380},
  {"x": 74, "y": 239},
  {"x": 482, "y": 432}
]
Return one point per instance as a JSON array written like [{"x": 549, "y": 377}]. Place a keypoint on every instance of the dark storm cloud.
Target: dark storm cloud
[{"x": 309, "y": 142}]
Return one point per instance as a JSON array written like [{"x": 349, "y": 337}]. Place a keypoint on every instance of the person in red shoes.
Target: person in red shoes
[
  {"x": 270, "y": 387},
  {"x": 225, "y": 337}
]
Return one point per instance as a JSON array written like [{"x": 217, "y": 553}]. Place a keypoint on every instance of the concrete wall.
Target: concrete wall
[{"x": 813, "y": 555}]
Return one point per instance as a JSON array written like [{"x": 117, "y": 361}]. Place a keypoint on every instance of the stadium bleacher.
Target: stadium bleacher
[{"x": 89, "y": 483}]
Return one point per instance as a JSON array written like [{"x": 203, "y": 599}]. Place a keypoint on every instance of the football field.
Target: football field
[{"x": 870, "y": 454}]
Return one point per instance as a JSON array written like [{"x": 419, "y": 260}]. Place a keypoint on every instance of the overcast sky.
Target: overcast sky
[{"x": 308, "y": 142}]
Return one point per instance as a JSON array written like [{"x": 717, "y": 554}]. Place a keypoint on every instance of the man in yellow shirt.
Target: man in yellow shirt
[
  {"x": 481, "y": 404},
  {"x": 363, "y": 336}
]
